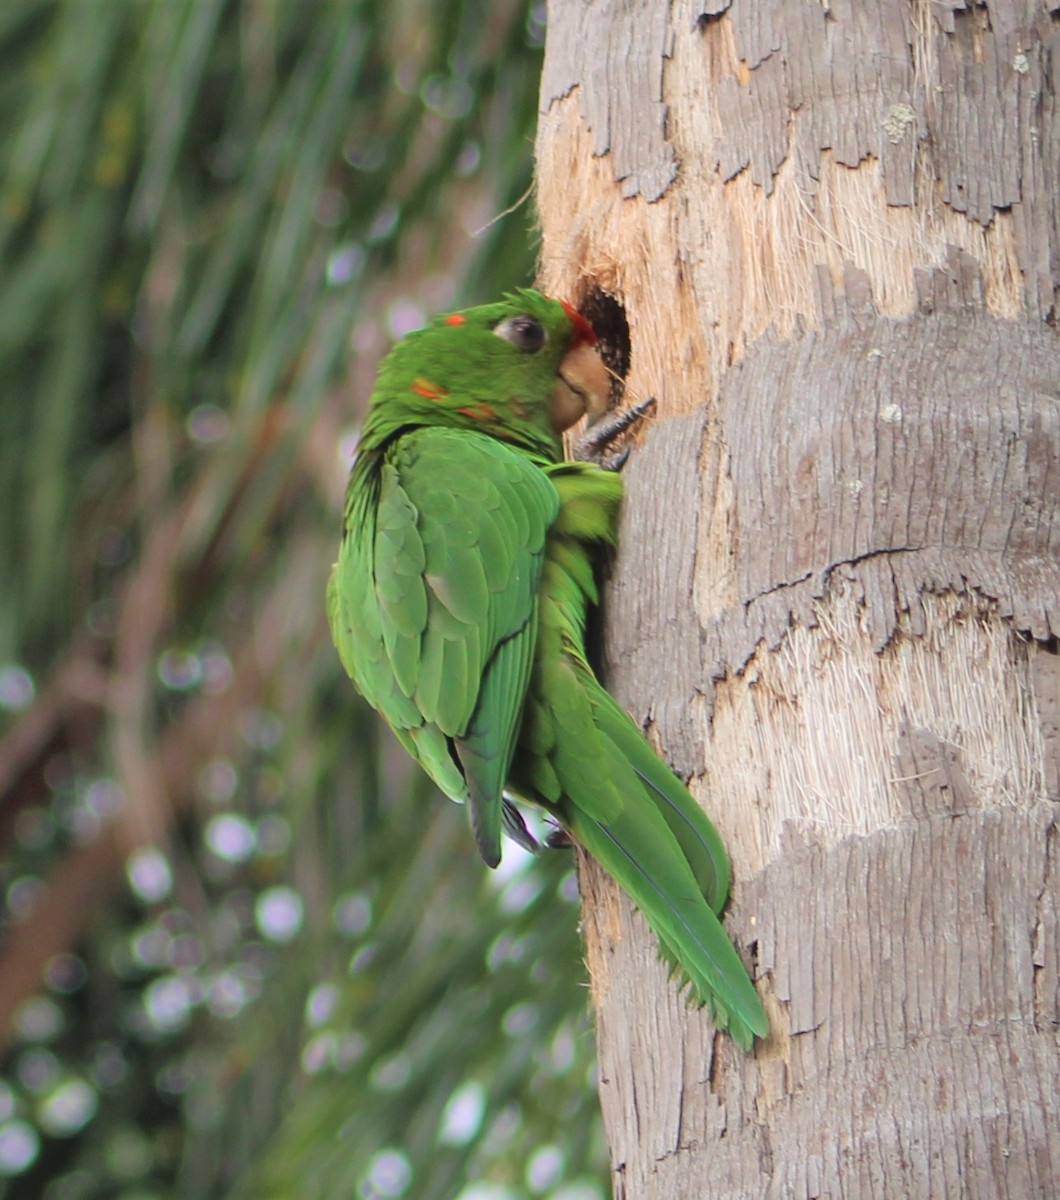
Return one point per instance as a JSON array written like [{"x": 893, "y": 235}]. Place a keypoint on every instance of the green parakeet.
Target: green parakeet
[{"x": 458, "y": 606}]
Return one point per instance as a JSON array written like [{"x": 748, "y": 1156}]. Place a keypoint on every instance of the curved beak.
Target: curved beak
[{"x": 582, "y": 389}]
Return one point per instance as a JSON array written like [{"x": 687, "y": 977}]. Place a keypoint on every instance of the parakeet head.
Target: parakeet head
[{"x": 521, "y": 370}]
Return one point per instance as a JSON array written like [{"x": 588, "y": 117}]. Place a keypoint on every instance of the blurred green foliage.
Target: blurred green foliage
[{"x": 273, "y": 967}]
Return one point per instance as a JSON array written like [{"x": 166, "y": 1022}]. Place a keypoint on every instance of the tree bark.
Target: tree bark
[{"x": 826, "y": 238}]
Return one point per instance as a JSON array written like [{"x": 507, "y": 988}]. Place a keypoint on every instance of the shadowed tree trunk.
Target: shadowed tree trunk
[{"x": 832, "y": 232}]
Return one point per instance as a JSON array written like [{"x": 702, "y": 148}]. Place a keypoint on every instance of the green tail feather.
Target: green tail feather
[
  {"x": 697, "y": 837},
  {"x": 637, "y": 849}
]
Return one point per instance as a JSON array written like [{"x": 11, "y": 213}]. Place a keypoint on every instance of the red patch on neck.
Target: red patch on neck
[
  {"x": 429, "y": 391},
  {"x": 479, "y": 412},
  {"x": 455, "y": 319},
  {"x": 583, "y": 331}
]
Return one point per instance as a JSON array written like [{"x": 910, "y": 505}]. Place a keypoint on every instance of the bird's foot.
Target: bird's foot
[
  {"x": 559, "y": 839},
  {"x": 515, "y": 827},
  {"x": 593, "y": 444}
]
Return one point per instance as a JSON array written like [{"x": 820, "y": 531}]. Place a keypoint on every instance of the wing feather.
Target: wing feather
[{"x": 438, "y": 616}]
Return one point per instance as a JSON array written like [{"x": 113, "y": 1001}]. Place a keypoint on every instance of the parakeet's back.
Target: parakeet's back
[{"x": 435, "y": 605}]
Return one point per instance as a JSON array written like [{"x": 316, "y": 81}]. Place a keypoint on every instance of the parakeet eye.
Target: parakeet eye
[{"x": 525, "y": 333}]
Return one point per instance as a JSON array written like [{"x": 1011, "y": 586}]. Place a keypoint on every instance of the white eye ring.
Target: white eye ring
[{"x": 525, "y": 333}]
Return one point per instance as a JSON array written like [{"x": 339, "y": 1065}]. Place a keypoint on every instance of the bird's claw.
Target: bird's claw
[
  {"x": 559, "y": 839},
  {"x": 591, "y": 445},
  {"x": 515, "y": 827}
]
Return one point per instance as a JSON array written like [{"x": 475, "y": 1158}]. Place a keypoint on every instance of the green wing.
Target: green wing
[{"x": 436, "y": 613}]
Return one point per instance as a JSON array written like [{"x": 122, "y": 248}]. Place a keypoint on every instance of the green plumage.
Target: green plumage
[{"x": 458, "y": 606}]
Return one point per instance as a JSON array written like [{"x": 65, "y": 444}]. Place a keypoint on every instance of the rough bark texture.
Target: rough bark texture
[{"x": 834, "y": 234}]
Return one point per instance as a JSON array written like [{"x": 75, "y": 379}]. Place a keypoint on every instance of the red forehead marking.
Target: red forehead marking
[
  {"x": 583, "y": 331},
  {"x": 455, "y": 319}
]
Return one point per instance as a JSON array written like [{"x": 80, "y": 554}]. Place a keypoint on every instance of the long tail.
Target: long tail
[
  {"x": 582, "y": 758},
  {"x": 661, "y": 849},
  {"x": 698, "y": 839}
]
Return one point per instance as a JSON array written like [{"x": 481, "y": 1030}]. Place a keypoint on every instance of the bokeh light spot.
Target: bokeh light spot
[
  {"x": 149, "y": 874},
  {"x": 65, "y": 973},
  {"x": 230, "y": 836},
  {"x": 321, "y": 1004},
  {"x": 69, "y": 1108},
  {"x": 217, "y": 669},
  {"x": 218, "y": 781},
  {"x": 392, "y": 1073},
  {"x": 389, "y": 1174},
  {"x": 16, "y": 688},
  {"x": 520, "y": 1019},
  {"x": 449, "y": 98},
  {"x": 38, "y": 1019},
  {"x": 227, "y": 995},
  {"x": 462, "y": 1115},
  {"x": 208, "y": 424},
  {"x": 384, "y": 224},
  {"x": 37, "y": 1070},
  {"x": 168, "y": 1002},
  {"x": 179, "y": 670},
  {"x": 319, "y": 1052},
  {"x": 279, "y": 913},
  {"x": 544, "y": 1168},
  {"x": 469, "y": 158},
  {"x": 345, "y": 262},
  {"x": 104, "y": 798},
  {"x": 352, "y": 914},
  {"x": 23, "y": 894},
  {"x": 19, "y": 1147},
  {"x": 109, "y": 1066}
]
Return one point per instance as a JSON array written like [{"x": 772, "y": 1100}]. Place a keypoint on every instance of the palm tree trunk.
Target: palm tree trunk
[{"x": 832, "y": 234}]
